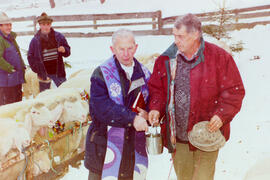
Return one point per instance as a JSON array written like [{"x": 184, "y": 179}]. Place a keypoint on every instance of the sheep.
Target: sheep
[
  {"x": 75, "y": 110},
  {"x": 83, "y": 72},
  {"x": 148, "y": 61},
  {"x": 81, "y": 82},
  {"x": 14, "y": 135},
  {"x": 261, "y": 170},
  {"x": 38, "y": 116},
  {"x": 58, "y": 95},
  {"x": 41, "y": 162},
  {"x": 31, "y": 85},
  {"x": 10, "y": 110}
]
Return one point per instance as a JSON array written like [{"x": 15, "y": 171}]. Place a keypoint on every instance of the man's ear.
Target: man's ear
[
  {"x": 112, "y": 49},
  {"x": 197, "y": 35},
  {"x": 136, "y": 46}
]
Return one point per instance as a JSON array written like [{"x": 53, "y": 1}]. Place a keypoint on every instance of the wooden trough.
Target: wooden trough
[{"x": 15, "y": 167}]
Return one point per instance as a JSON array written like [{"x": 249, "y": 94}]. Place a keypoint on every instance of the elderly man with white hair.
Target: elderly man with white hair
[
  {"x": 11, "y": 63},
  {"x": 117, "y": 127},
  {"x": 194, "y": 81}
]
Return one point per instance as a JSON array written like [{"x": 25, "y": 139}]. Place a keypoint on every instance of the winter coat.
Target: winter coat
[
  {"x": 216, "y": 88},
  {"x": 10, "y": 59},
  {"x": 105, "y": 112},
  {"x": 35, "y": 57}
]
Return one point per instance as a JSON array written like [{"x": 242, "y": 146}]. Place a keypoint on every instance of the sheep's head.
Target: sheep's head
[
  {"x": 42, "y": 116},
  {"x": 75, "y": 111},
  {"x": 42, "y": 163}
]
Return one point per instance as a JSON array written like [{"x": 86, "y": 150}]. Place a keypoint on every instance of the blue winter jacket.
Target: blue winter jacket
[
  {"x": 10, "y": 60},
  {"x": 35, "y": 57},
  {"x": 105, "y": 112}
]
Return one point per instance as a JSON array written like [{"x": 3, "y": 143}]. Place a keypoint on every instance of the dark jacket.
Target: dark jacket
[
  {"x": 105, "y": 112},
  {"x": 35, "y": 58},
  {"x": 216, "y": 88},
  {"x": 10, "y": 59}
]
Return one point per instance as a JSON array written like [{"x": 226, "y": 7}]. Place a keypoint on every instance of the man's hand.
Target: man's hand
[
  {"x": 61, "y": 49},
  {"x": 142, "y": 113},
  {"x": 46, "y": 80},
  {"x": 140, "y": 124},
  {"x": 153, "y": 117},
  {"x": 215, "y": 123}
]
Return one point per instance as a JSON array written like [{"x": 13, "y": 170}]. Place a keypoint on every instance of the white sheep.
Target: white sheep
[
  {"x": 40, "y": 116},
  {"x": 57, "y": 95},
  {"x": 148, "y": 60},
  {"x": 81, "y": 82},
  {"x": 41, "y": 163},
  {"x": 10, "y": 110},
  {"x": 75, "y": 110},
  {"x": 14, "y": 135},
  {"x": 83, "y": 72},
  {"x": 31, "y": 85}
]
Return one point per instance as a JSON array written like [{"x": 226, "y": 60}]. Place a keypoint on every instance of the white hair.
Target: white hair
[{"x": 123, "y": 33}]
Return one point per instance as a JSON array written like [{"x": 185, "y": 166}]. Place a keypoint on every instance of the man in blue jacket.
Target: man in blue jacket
[
  {"x": 11, "y": 64},
  {"x": 114, "y": 87},
  {"x": 45, "y": 54}
]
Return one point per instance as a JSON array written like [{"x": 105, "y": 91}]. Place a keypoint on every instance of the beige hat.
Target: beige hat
[
  {"x": 205, "y": 140},
  {"x": 4, "y": 19},
  {"x": 44, "y": 18}
]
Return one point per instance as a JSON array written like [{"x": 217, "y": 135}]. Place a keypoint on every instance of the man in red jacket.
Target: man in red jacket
[{"x": 193, "y": 81}]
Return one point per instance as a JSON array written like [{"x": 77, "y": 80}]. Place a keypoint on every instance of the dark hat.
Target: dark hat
[{"x": 44, "y": 18}]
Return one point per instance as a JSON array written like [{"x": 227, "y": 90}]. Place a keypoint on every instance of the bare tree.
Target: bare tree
[{"x": 219, "y": 30}]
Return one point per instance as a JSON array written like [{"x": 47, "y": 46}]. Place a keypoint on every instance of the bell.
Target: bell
[{"x": 154, "y": 144}]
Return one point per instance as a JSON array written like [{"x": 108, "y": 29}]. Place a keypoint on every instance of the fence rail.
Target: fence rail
[{"x": 93, "y": 25}]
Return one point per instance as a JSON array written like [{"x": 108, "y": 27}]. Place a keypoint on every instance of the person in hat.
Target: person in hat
[
  {"x": 115, "y": 84},
  {"x": 46, "y": 52},
  {"x": 193, "y": 81},
  {"x": 11, "y": 63}
]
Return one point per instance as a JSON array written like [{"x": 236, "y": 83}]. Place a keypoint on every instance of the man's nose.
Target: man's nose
[{"x": 126, "y": 52}]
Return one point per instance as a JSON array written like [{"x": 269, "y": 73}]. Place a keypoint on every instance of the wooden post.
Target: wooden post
[
  {"x": 236, "y": 17},
  {"x": 154, "y": 26},
  {"x": 95, "y": 22},
  {"x": 160, "y": 23},
  {"x": 35, "y": 25}
]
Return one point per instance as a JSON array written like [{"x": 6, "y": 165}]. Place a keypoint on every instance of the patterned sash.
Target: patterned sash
[{"x": 115, "y": 138}]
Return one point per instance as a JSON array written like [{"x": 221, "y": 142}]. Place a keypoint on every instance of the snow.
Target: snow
[{"x": 249, "y": 129}]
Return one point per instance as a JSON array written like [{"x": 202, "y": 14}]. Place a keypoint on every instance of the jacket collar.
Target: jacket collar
[
  {"x": 171, "y": 52},
  {"x": 137, "y": 72},
  {"x": 10, "y": 37}
]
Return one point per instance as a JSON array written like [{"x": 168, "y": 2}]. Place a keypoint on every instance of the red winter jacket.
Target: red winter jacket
[{"x": 216, "y": 88}]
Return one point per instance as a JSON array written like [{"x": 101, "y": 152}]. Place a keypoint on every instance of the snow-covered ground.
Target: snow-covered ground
[{"x": 250, "y": 129}]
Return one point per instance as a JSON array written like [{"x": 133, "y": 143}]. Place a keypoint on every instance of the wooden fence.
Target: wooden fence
[{"x": 145, "y": 23}]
